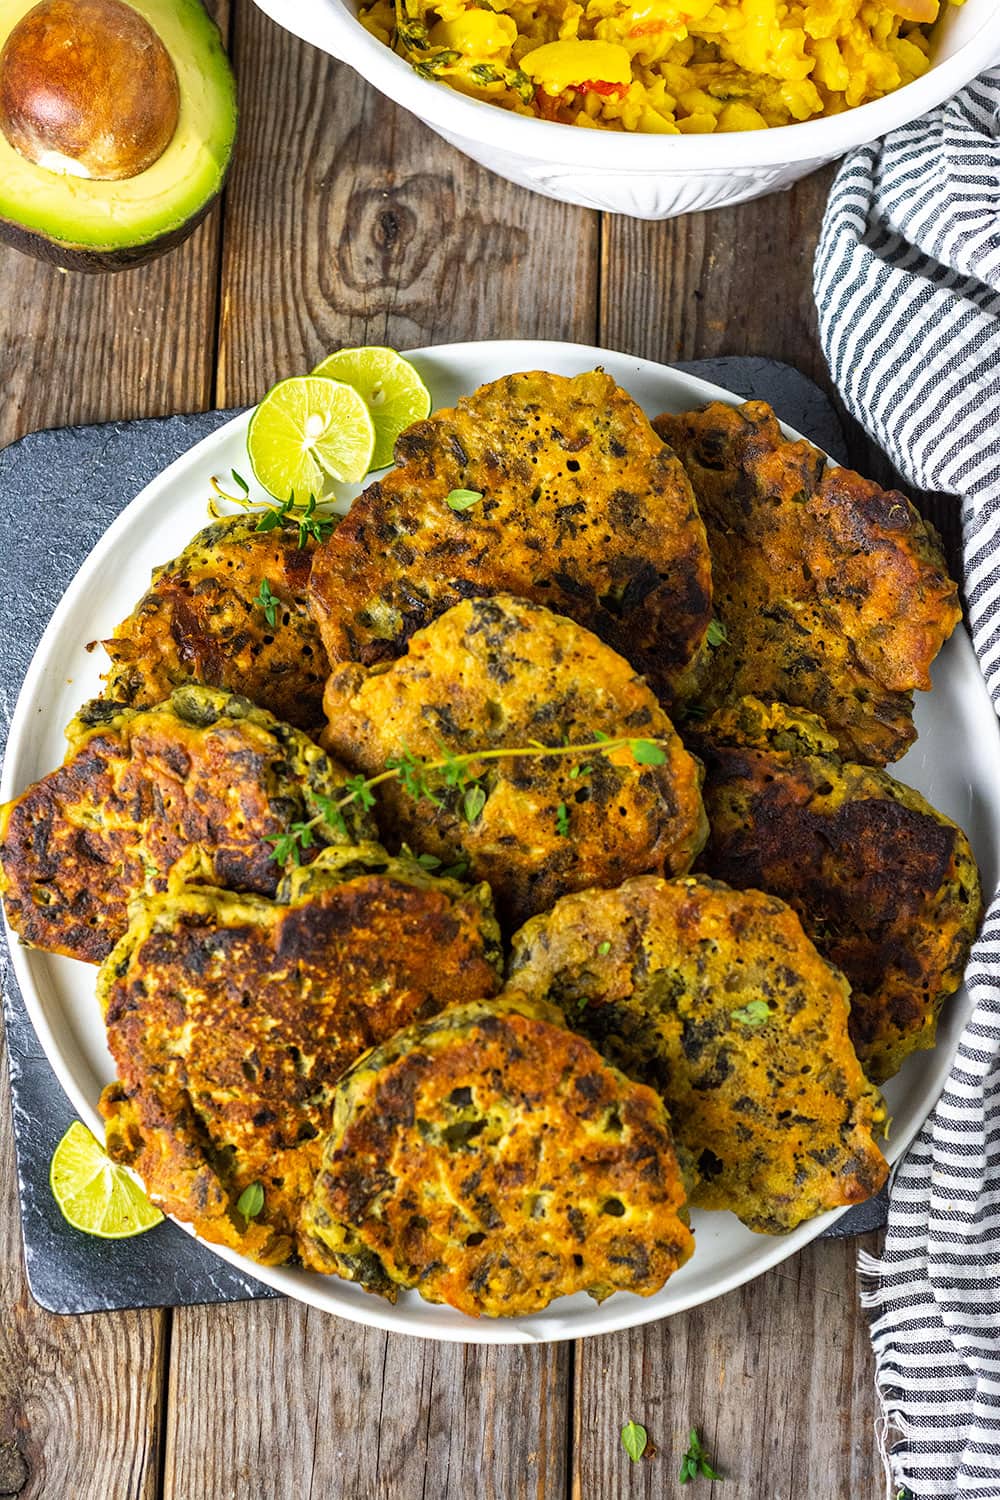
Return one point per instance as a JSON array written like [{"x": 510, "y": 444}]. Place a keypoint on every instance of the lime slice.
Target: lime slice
[
  {"x": 393, "y": 392},
  {"x": 308, "y": 433},
  {"x": 95, "y": 1195}
]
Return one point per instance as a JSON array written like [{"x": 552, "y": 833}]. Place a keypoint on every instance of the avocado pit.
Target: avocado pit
[{"x": 88, "y": 88}]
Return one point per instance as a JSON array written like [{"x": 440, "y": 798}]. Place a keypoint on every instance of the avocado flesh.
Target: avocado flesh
[{"x": 85, "y": 224}]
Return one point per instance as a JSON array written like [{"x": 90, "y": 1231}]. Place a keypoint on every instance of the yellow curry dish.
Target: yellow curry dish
[{"x": 663, "y": 66}]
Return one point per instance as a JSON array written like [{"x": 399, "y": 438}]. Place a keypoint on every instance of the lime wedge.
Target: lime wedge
[
  {"x": 392, "y": 390},
  {"x": 93, "y": 1194},
  {"x": 308, "y": 433}
]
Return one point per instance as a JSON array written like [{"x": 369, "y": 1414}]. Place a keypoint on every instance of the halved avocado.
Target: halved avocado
[{"x": 49, "y": 207}]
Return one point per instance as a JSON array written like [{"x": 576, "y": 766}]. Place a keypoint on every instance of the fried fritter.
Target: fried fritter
[
  {"x": 230, "y": 1019},
  {"x": 138, "y": 788},
  {"x": 202, "y": 621},
  {"x": 833, "y": 593},
  {"x": 580, "y": 507},
  {"x": 886, "y": 887},
  {"x": 719, "y": 1000},
  {"x": 492, "y": 1160},
  {"x": 501, "y": 672}
]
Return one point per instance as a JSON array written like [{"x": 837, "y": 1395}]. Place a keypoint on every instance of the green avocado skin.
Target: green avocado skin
[
  {"x": 80, "y": 258},
  {"x": 74, "y": 247}
]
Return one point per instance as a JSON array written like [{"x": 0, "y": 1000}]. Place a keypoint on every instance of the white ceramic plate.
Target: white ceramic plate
[{"x": 953, "y": 763}]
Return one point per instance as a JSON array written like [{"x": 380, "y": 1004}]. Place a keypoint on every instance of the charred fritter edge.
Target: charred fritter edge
[
  {"x": 833, "y": 593},
  {"x": 202, "y": 621},
  {"x": 505, "y": 672},
  {"x": 230, "y": 1019},
  {"x": 492, "y": 1160},
  {"x": 137, "y": 789},
  {"x": 718, "y": 999},
  {"x": 583, "y": 509},
  {"x": 885, "y": 885}
]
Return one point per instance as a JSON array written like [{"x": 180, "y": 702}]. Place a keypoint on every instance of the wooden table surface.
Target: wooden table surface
[{"x": 346, "y": 221}]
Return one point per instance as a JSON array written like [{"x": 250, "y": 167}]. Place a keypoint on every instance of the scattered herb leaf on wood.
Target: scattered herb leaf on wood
[
  {"x": 634, "y": 1440},
  {"x": 695, "y": 1463}
]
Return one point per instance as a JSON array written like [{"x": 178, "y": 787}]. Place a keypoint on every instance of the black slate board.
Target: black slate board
[{"x": 81, "y": 478}]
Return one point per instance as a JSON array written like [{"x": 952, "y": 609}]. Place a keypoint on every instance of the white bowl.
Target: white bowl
[{"x": 647, "y": 176}]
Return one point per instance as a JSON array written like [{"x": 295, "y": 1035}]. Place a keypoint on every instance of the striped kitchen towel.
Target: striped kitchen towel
[{"x": 907, "y": 283}]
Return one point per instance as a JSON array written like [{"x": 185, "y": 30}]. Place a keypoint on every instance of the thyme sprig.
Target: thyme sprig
[
  {"x": 463, "y": 773},
  {"x": 310, "y": 521}
]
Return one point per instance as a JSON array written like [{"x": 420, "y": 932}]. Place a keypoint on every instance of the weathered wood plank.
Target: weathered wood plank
[
  {"x": 736, "y": 281},
  {"x": 348, "y": 222},
  {"x": 81, "y": 1398},
  {"x": 273, "y": 1400},
  {"x": 777, "y": 1377}
]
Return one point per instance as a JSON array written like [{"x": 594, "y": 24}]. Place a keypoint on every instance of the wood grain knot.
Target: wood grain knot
[
  {"x": 13, "y": 1470},
  {"x": 405, "y": 246}
]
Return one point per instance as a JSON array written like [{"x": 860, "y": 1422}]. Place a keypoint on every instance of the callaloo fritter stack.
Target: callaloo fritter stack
[
  {"x": 230, "y": 1019},
  {"x": 492, "y": 1160},
  {"x": 202, "y": 621},
  {"x": 719, "y": 1000},
  {"x": 137, "y": 790},
  {"x": 833, "y": 593},
  {"x": 567, "y": 498},
  {"x": 496, "y": 673},
  {"x": 886, "y": 887}
]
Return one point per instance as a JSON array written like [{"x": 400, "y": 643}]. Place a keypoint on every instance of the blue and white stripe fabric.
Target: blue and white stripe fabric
[{"x": 907, "y": 283}]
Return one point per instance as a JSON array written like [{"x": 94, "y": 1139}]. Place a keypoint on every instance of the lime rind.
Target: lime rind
[
  {"x": 390, "y": 387},
  {"x": 308, "y": 434},
  {"x": 95, "y": 1195}
]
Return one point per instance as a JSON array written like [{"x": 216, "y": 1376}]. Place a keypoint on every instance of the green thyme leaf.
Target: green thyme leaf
[
  {"x": 634, "y": 1440},
  {"x": 604, "y": 948},
  {"x": 269, "y": 520},
  {"x": 462, "y": 499},
  {"x": 429, "y": 861},
  {"x": 474, "y": 802},
  {"x": 717, "y": 633},
  {"x": 330, "y": 812},
  {"x": 754, "y": 1013},
  {"x": 562, "y": 821},
  {"x": 359, "y": 790},
  {"x": 646, "y": 753},
  {"x": 240, "y": 481},
  {"x": 286, "y": 848},
  {"x": 268, "y": 602},
  {"x": 695, "y": 1464},
  {"x": 303, "y": 832},
  {"x": 251, "y": 1201}
]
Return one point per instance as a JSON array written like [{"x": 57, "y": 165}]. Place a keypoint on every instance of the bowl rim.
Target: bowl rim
[{"x": 330, "y": 26}]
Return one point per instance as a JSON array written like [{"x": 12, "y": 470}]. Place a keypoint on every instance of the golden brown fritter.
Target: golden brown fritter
[
  {"x": 719, "y": 1000},
  {"x": 582, "y": 508},
  {"x": 230, "y": 1019},
  {"x": 202, "y": 621},
  {"x": 886, "y": 887},
  {"x": 492, "y": 1160},
  {"x": 833, "y": 593},
  {"x": 137, "y": 789},
  {"x": 501, "y": 672}
]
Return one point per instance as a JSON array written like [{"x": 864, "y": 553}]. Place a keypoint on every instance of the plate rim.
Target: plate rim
[{"x": 443, "y": 1324}]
